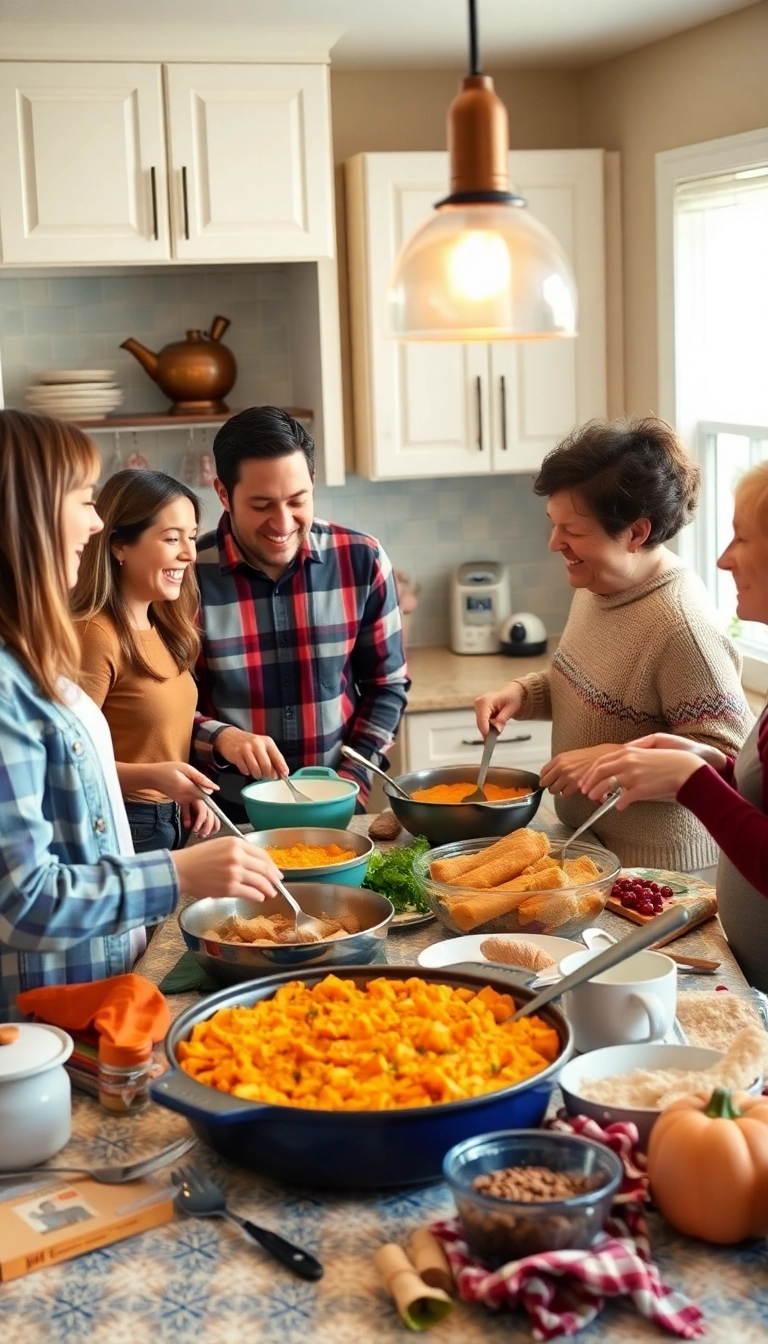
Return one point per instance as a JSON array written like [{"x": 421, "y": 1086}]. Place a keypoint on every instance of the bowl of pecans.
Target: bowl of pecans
[{"x": 520, "y": 1192}]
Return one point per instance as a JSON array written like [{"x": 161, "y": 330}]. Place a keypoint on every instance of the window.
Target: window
[{"x": 712, "y": 220}]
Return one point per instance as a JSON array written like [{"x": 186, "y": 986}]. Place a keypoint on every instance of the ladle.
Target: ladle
[
  {"x": 478, "y": 795},
  {"x": 362, "y": 760},
  {"x": 673, "y": 919}
]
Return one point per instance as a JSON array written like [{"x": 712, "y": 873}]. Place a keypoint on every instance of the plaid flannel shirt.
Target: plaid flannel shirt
[
  {"x": 67, "y": 898},
  {"x": 311, "y": 660}
]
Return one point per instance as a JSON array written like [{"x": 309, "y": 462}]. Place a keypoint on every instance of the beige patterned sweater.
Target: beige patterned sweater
[{"x": 647, "y": 660}]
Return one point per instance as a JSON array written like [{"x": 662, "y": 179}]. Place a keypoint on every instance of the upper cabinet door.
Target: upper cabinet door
[
  {"x": 82, "y": 166},
  {"x": 540, "y": 389},
  {"x": 250, "y": 161}
]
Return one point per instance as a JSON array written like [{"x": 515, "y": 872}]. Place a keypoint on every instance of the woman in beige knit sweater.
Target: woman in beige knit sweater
[{"x": 641, "y": 651}]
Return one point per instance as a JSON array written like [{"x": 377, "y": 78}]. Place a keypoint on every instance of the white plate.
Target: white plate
[
  {"x": 76, "y": 376},
  {"x": 452, "y": 950}
]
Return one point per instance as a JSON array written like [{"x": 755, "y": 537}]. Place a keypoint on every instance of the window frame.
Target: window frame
[{"x": 730, "y": 154}]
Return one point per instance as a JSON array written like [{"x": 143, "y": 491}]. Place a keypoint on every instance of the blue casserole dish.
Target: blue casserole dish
[{"x": 351, "y": 1149}]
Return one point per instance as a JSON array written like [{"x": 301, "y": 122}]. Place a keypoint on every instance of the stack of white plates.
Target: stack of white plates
[{"x": 75, "y": 394}]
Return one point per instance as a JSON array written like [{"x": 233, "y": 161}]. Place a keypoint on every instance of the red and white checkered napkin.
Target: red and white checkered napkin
[{"x": 563, "y": 1291}]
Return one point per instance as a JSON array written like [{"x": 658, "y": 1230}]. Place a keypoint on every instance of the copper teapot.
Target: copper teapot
[{"x": 196, "y": 373}]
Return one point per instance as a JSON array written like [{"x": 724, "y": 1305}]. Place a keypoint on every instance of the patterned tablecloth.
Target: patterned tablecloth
[{"x": 196, "y": 1280}]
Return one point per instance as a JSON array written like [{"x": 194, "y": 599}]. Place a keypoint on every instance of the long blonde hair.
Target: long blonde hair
[
  {"x": 128, "y": 503},
  {"x": 41, "y": 461}
]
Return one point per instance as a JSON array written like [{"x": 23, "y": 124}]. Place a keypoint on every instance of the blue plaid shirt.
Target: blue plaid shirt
[{"x": 67, "y": 898}]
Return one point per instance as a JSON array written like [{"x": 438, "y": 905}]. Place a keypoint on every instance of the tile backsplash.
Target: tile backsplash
[{"x": 426, "y": 526}]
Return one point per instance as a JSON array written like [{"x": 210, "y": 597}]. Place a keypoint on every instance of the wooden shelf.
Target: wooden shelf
[{"x": 142, "y": 421}]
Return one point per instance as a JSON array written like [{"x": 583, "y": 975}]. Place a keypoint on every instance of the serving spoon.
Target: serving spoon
[
  {"x": 478, "y": 795},
  {"x": 304, "y": 922},
  {"x": 298, "y": 796},
  {"x": 676, "y": 917},
  {"x": 362, "y": 760},
  {"x": 600, "y": 811}
]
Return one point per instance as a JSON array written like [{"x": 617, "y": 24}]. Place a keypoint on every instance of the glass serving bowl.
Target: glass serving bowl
[
  {"x": 499, "y": 1230},
  {"x": 563, "y": 911}
]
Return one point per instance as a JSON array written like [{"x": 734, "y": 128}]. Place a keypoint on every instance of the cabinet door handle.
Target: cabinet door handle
[
  {"x": 153, "y": 184},
  {"x": 503, "y": 392},
  {"x": 479, "y": 391},
  {"x": 480, "y": 742},
  {"x": 185, "y": 202}
]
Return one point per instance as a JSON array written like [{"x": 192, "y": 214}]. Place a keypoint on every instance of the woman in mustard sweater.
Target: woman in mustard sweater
[{"x": 134, "y": 606}]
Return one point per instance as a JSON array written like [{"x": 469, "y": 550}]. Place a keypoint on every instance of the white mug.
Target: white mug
[{"x": 632, "y": 1002}]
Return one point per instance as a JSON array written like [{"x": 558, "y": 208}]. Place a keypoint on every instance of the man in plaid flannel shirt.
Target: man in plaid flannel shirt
[{"x": 302, "y": 634}]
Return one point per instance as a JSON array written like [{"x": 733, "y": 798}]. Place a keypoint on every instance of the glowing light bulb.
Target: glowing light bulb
[{"x": 479, "y": 266}]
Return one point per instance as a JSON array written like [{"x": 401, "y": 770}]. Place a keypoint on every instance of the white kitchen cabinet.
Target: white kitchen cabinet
[
  {"x": 444, "y": 409},
  {"x": 83, "y": 167},
  {"x": 250, "y": 161},
  {"x": 234, "y": 164},
  {"x": 451, "y": 737}
]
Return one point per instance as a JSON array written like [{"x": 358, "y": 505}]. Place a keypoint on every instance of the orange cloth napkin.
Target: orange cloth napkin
[{"x": 127, "y": 1014}]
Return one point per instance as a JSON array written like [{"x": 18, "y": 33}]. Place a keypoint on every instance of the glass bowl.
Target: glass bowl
[
  {"x": 564, "y": 911},
  {"x": 498, "y": 1229}
]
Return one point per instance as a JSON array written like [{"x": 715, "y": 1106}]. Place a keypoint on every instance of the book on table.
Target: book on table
[{"x": 50, "y": 1221}]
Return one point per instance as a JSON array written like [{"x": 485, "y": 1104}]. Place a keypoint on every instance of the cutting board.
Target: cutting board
[{"x": 698, "y": 897}]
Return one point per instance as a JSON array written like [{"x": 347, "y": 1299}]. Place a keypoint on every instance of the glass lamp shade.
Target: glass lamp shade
[{"x": 482, "y": 272}]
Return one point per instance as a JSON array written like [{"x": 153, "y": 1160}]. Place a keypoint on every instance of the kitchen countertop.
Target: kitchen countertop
[
  {"x": 202, "y": 1281},
  {"x": 445, "y": 680}
]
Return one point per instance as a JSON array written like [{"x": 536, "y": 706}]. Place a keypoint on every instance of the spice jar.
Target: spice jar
[{"x": 124, "y": 1074}]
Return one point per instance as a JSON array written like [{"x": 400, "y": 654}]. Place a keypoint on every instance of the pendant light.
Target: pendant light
[{"x": 482, "y": 268}]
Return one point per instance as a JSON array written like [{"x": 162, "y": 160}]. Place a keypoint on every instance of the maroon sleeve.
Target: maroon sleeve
[{"x": 740, "y": 829}]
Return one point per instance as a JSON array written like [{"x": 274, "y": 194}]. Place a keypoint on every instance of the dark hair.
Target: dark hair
[
  {"x": 260, "y": 432},
  {"x": 623, "y": 470},
  {"x": 128, "y": 504}
]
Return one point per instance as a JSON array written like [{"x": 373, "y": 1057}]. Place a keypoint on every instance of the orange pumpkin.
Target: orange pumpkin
[{"x": 708, "y": 1165}]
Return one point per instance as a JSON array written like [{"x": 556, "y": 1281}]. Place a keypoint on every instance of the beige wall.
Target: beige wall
[{"x": 708, "y": 82}]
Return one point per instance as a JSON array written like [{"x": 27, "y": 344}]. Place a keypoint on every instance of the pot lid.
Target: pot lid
[{"x": 31, "y": 1047}]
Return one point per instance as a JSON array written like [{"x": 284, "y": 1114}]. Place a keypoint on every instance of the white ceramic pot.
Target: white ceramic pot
[{"x": 35, "y": 1094}]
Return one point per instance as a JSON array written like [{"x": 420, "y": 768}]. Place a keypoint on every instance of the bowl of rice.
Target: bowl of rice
[{"x": 633, "y": 1083}]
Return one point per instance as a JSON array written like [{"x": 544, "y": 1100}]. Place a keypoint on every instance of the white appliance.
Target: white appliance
[
  {"x": 523, "y": 635},
  {"x": 479, "y": 603}
]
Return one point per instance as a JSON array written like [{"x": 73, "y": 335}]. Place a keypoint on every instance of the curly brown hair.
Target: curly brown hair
[{"x": 623, "y": 470}]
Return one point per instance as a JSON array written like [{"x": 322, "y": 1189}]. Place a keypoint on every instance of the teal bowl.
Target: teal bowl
[
  {"x": 349, "y": 873},
  {"x": 270, "y": 804}
]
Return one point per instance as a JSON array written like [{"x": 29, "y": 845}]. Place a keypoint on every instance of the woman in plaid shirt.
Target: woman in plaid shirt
[
  {"x": 74, "y": 898},
  {"x": 302, "y": 635}
]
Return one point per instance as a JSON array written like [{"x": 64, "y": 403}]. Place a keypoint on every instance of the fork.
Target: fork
[
  {"x": 118, "y": 1175},
  {"x": 201, "y": 1197}
]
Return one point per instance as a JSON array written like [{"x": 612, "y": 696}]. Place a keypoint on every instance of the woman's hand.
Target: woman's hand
[
  {"x": 179, "y": 781},
  {"x": 642, "y": 772},
  {"x": 259, "y": 757},
  {"x": 670, "y": 742},
  {"x": 225, "y": 867},
  {"x": 563, "y": 774},
  {"x": 497, "y": 707},
  {"x": 198, "y": 818}
]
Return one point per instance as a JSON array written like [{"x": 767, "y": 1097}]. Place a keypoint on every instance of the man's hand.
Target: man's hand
[
  {"x": 259, "y": 757},
  {"x": 225, "y": 867}
]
